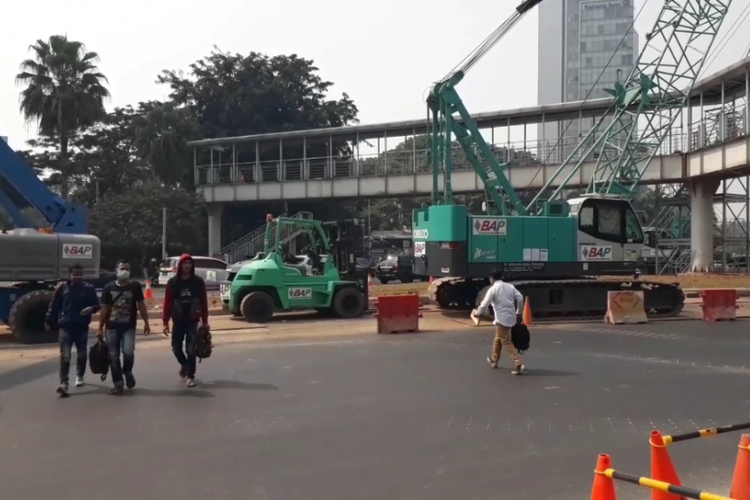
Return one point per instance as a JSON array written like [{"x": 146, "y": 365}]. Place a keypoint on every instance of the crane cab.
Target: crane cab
[{"x": 608, "y": 229}]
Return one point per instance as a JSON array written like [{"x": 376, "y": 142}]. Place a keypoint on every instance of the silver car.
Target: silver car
[{"x": 213, "y": 271}]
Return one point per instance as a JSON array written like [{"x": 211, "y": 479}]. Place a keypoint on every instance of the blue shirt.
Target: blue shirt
[{"x": 68, "y": 302}]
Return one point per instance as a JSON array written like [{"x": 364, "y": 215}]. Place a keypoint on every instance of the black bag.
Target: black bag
[
  {"x": 99, "y": 359},
  {"x": 203, "y": 344},
  {"x": 520, "y": 337}
]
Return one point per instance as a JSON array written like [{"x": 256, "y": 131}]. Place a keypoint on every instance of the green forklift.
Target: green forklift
[{"x": 281, "y": 282}]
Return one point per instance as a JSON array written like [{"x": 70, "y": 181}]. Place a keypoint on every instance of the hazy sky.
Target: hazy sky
[{"x": 383, "y": 54}]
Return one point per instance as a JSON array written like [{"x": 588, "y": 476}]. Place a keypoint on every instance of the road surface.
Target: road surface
[{"x": 371, "y": 417}]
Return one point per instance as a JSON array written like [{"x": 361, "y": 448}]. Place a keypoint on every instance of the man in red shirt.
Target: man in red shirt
[{"x": 185, "y": 303}]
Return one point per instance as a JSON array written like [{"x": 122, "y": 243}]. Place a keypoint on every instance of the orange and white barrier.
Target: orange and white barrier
[{"x": 625, "y": 307}]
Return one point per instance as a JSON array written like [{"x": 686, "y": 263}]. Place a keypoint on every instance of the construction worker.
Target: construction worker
[
  {"x": 185, "y": 303},
  {"x": 70, "y": 313},
  {"x": 506, "y": 302},
  {"x": 122, "y": 300}
]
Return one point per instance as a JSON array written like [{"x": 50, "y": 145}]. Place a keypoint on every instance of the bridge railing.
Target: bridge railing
[{"x": 399, "y": 162}]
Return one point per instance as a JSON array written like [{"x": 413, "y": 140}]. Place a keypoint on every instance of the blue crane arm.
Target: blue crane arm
[
  {"x": 449, "y": 117},
  {"x": 63, "y": 216}
]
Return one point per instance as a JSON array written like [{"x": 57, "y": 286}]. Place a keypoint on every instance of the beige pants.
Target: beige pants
[{"x": 502, "y": 340}]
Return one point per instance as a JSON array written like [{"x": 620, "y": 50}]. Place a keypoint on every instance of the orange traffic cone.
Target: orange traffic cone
[
  {"x": 432, "y": 278},
  {"x": 149, "y": 294},
  {"x": 528, "y": 320},
  {"x": 741, "y": 478},
  {"x": 603, "y": 487},
  {"x": 662, "y": 468}
]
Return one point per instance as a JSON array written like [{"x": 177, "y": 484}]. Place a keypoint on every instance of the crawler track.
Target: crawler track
[{"x": 570, "y": 299}]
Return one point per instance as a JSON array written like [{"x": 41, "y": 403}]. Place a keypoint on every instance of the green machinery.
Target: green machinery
[
  {"x": 279, "y": 283},
  {"x": 556, "y": 251}
]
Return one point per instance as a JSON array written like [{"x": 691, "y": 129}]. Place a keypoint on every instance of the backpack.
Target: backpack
[
  {"x": 203, "y": 344},
  {"x": 99, "y": 359},
  {"x": 520, "y": 337}
]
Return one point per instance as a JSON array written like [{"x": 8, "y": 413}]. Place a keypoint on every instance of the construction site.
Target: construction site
[{"x": 327, "y": 379}]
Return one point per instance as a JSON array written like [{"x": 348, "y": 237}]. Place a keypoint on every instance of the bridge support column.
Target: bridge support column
[
  {"x": 702, "y": 193},
  {"x": 214, "y": 227}
]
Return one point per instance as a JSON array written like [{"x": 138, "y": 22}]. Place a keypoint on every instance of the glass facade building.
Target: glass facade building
[{"x": 585, "y": 46}]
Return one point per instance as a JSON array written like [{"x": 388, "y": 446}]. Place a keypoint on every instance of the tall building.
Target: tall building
[{"x": 578, "y": 45}]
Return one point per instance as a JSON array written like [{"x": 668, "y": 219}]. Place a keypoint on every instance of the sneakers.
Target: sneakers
[
  {"x": 519, "y": 369},
  {"x": 130, "y": 381},
  {"x": 79, "y": 381},
  {"x": 182, "y": 373},
  {"x": 62, "y": 389},
  {"x": 117, "y": 389},
  {"x": 191, "y": 382}
]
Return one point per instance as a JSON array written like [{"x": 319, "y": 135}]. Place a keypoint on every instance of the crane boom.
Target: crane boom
[
  {"x": 449, "y": 117},
  {"x": 648, "y": 102}
]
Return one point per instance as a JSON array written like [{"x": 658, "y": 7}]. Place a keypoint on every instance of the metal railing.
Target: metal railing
[
  {"x": 717, "y": 126},
  {"x": 252, "y": 243}
]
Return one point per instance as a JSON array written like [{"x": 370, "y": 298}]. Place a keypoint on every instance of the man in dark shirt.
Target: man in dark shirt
[
  {"x": 185, "y": 302},
  {"x": 70, "y": 313},
  {"x": 121, "y": 301}
]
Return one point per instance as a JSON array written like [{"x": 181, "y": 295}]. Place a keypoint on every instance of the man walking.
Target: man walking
[
  {"x": 506, "y": 302},
  {"x": 121, "y": 301},
  {"x": 185, "y": 303},
  {"x": 70, "y": 313}
]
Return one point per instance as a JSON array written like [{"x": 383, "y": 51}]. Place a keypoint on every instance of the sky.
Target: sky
[{"x": 383, "y": 54}]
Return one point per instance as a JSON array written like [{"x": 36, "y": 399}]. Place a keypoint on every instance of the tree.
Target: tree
[
  {"x": 235, "y": 95},
  {"x": 64, "y": 93},
  {"x": 162, "y": 131},
  {"x": 135, "y": 216}
]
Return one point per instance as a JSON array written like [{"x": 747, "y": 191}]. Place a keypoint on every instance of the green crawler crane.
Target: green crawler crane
[{"x": 558, "y": 251}]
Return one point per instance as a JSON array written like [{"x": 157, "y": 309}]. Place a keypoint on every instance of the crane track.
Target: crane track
[{"x": 463, "y": 294}]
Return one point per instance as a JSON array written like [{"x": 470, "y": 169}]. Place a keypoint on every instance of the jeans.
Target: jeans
[
  {"x": 184, "y": 332},
  {"x": 67, "y": 338},
  {"x": 121, "y": 340}
]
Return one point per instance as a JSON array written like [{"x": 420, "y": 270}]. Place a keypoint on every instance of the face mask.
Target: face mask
[{"x": 123, "y": 275}]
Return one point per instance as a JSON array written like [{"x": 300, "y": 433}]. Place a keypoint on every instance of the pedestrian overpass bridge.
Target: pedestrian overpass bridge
[{"x": 708, "y": 143}]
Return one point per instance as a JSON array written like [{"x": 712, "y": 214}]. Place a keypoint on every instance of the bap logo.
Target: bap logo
[
  {"x": 78, "y": 251},
  {"x": 596, "y": 252},
  {"x": 493, "y": 227},
  {"x": 300, "y": 293}
]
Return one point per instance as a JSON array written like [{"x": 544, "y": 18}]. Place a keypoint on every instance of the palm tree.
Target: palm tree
[{"x": 64, "y": 93}]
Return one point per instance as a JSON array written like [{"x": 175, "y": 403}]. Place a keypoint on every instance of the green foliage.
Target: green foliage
[
  {"x": 64, "y": 93},
  {"x": 236, "y": 95},
  {"x": 135, "y": 216}
]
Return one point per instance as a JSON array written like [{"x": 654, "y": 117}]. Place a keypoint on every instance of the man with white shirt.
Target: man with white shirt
[{"x": 506, "y": 302}]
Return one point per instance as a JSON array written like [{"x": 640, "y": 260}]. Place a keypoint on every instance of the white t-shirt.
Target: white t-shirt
[{"x": 506, "y": 301}]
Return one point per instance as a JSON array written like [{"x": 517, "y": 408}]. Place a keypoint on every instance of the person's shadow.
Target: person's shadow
[{"x": 202, "y": 391}]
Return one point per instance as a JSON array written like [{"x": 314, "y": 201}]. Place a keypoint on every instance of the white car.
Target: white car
[{"x": 213, "y": 271}]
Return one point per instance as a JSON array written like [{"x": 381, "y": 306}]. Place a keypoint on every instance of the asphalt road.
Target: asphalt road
[{"x": 401, "y": 417}]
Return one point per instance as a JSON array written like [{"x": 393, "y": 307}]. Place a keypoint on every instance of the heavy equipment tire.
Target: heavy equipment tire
[
  {"x": 26, "y": 318},
  {"x": 348, "y": 303},
  {"x": 257, "y": 307}
]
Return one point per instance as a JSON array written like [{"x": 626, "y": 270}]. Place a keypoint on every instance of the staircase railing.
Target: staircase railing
[{"x": 252, "y": 243}]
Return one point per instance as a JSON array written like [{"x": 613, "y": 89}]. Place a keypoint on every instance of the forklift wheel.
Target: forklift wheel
[
  {"x": 348, "y": 303},
  {"x": 257, "y": 307},
  {"x": 27, "y": 316}
]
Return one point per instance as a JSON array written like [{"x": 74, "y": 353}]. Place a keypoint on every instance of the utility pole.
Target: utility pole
[{"x": 163, "y": 233}]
